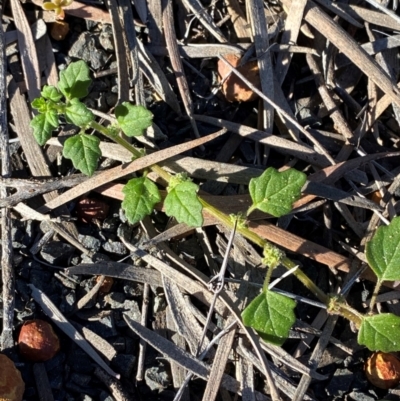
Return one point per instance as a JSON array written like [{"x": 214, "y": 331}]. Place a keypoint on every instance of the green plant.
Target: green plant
[{"x": 270, "y": 313}]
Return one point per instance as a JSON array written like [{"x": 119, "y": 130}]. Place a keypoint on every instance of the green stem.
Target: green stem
[
  {"x": 307, "y": 282},
  {"x": 222, "y": 217},
  {"x": 374, "y": 295},
  {"x": 340, "y": 308},
  {"x": 267, "y": 279},
  {"x": 129, "y": 147}
]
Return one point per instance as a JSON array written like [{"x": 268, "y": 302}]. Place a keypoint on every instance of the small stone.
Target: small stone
[
  {"x": 68, "y": 303},
  {"x": 157, "y": 378},
  {"x": 115, "y": 247},
  {"x": 159, "y": 304},
  {"x": 90, "y": 242},
  {"x": 85, "y": 49},
  {"x": 97, "y": 257},
  {"x": 357, "y": 396},
  {"x": 115, "y": 300},
  {"x": 106, "y": 38},
  {"x": 111, "y": 224},
  {"x": 133, "y": 310},
  {"x": 57, "y": 252}
]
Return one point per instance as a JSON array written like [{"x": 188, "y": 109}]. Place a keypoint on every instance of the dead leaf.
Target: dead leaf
[{"x": 233, "y": 88}]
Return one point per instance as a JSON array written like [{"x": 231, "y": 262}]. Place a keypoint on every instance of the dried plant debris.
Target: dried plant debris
[{"x": 233, "y": 88}]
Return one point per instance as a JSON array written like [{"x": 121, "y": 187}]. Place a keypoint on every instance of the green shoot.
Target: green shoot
[{"x": 270, "y": 314}]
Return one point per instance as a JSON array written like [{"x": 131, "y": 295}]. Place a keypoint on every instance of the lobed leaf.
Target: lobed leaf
[
  {"x": 77, "y": 113},
  {"x": 271, "y": 315},
  {"x": 383, "y": 251},
  {"x": 84, "y": 152},
  {"x": 43, "y": 125},
  {"x": 183, "y": 204},
  {"x": 274, "y": 192},
  {"x": 133, "y": 120},
  {"x": 40, "y": 104},
  {"x": 75, "y": 80},
  {"x": 52, "y": 93},
  {"x": 380, "y": 332},
  {"x": 141, "y": 195}
]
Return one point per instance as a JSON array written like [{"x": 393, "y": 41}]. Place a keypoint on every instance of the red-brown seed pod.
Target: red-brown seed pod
[
  {"x": 37, "y": 341},
  {"x": 89, "y": 209},
  {"x": 12, "y": 386},
  {"x": 383, "y": 370}
]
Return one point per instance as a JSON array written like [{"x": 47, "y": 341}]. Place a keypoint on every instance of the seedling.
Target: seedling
[{"x": 270, "y": 314}]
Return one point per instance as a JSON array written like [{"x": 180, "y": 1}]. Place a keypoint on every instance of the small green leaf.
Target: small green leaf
[
  {"x": 380, "y": 332},
  {"x": 133, "y": 120},
  {"x": 271, "y": 315},
  {"x": 274, "y": 192},
  {"x": 183, "y": 204},
  {"x": 39, "y": 104},
  {"x": 77, "y": 113},
  {"x": 75, "y": 80},
  {"x": 43, "y": 126},
  {"x": 141, "y": 195},
  {"x": 84, "y": 151},
  {"x": 52, "y": 93},
  {"x": 383, "y": 251}
]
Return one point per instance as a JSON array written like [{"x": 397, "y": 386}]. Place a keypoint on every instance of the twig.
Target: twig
[{"x": 8, "y": 278}]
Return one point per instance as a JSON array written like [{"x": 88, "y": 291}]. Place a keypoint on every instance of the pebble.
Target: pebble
[
  {"x": 57, "y": 252},
  {"x": 85, "y": 49}
]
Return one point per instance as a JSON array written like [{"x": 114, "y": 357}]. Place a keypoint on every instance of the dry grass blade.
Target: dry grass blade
[
  {"x": 141, "y": 8},
  {"x": 371, "y": 48},
  {"x": 346, "y": 44},
  {"x": 42, "y": 382},
  {"x": 121, "y": 51},
  {"x": 122, "y": 171},
  {"x": 157, "y": 78},
  {"x": 238, "y": 19},
  {"x": 260, "y": 33},
  {"x": 31, "y": 214},
  {"x": 198, "y": 10},
  {"x": 176, "y": 62},
  {"x": 201, "y": 50},
  {"x": 218, "y": 367},
  {"x": 186, "y": 324},
  {"x": 183, "y": 358},
  {"x": 281, "y": 145},
  {"x": 58, "y": 318},
  {"x": 340, "y": 12},
  {"x": 332, "y": 108},
  {"x": 101, "y": 345},
  {"x": 27, "y": 189},
  {"x": 113, "y": 385},
  {"x": 85, "y": 11},
  {"x": 228, "y": 301},
  {"x": 7, "y": 270},
  {"x": 119, "y": 270},
  {"x": 289, "y": 37},
  {"x": 26, "y": 44},
  {"x": 371, "y": 16},
  {"x": 91, "y": 294},
  {"x": 245, "y": 374},
  {"x": 194, "y": 167},
  {"x": 316, "y": 357}
]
